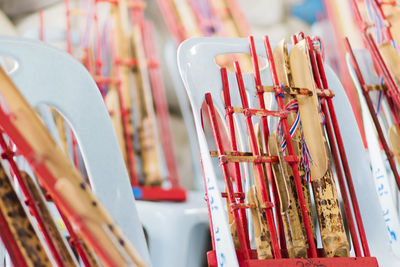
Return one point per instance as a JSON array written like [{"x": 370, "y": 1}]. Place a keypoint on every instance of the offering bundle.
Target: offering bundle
[
  {"x": 296, "y": 150},
  {"x": 93, "y": 233}
]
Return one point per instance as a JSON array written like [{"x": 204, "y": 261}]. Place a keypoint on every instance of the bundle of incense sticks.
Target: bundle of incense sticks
[
  {"x": 378, "y": 22},
  {"x": 117, "y": 47},
  {"x": 93, "y": 233},
  {"x": 291, "y": 160}
]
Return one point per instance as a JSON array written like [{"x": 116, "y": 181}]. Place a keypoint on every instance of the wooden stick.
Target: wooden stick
[
  {"x": 123, "y": 51},
  {"x": 148, "y": 130},
  {"x": 232, "y": 225},
  {"x": 392, "y": 59},
  {"x": 172, "y": 20},
  {"x": 265, "y": 135},
  {"x": 112, "y": 101},
  {"x": 62, "y": 181},
  {"x": 374, "y": 117},
  {"x": 30, "y": 201},
  {"x": 256, "y": 193},
  {"x": 260, "y": 175},
  {"x": 346, "y": 169},
  {"x": 18, "y": 235},
  {"x": 244, "y": 157},
  {"x": 229, "y": 188},
  {"x": 160, "y": 103},
  {"x": 330, "y": 219},
  {"x": 294, "y": 233},
  {"x": 261, "y": 234},
  {"x": 233, "y": 142},
  {"x": 65, "y": 252},
  {"x": 394, "y": 140},
  {"x": 186, "y": 17},
  {"x": 290, "y": 150},
  {"x": 393, "y": 16},
  {"x": 284, "y": 73}
]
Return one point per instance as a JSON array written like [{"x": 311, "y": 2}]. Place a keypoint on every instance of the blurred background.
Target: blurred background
[{"x": 277, "y": 19}]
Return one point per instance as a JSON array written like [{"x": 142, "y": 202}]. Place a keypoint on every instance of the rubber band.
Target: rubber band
[{"x": 306, "y": 159}]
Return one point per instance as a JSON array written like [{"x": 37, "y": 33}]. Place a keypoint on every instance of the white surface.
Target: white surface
[
  {"x": 177, "y": 232},
  {"x": 170, "y": 59},
  {"x": 6, "y": 26},
  {"x": 49, "y": 76},
  {"x": 263, "y": 12}
]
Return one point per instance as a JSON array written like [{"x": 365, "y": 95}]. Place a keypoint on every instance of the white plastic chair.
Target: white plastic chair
[
  {"x": 170, "y": 59},
  {"x": 200, "y": 75},
  {"x": 382, "y": 174},
  {"x": 178, "y": 233},
  {"x": 166, "y": 222},
  {"x": 46, "y": 75}
]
